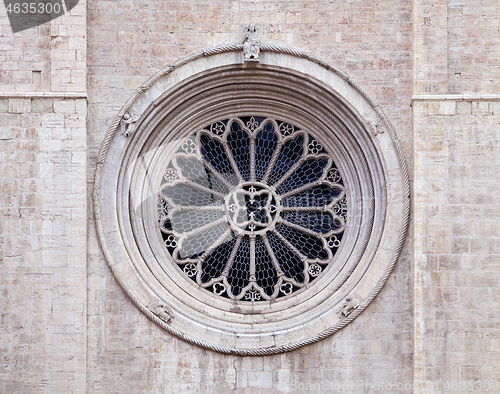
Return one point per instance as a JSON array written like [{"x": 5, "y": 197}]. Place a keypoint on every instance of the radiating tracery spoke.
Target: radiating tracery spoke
[{"x": 252, "y": 208}]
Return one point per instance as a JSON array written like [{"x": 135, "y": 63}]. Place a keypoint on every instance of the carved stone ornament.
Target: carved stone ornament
[
  {"x": 162, "y": 311},
  {"x": 251, "y": 48},
  {"x": 264, "y": 216},
  {"x": 350, "y": 305},
  {"x": 127, "y": 124}
]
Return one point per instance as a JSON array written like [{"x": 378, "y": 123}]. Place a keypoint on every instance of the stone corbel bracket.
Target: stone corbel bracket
[
  {"x": 162, "y": 311},
  {"x": 350, "y": 304},
  {"x": 127, "y": 123},
  {"x": 251, "y": 49}
]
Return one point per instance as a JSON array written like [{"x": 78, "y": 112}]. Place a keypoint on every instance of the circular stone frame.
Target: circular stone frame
[{"x": 285, "y": 84}]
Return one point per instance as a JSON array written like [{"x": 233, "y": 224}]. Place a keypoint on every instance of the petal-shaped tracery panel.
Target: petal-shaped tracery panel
[
  {"x": 290, "y": 153},
  {"x": 266, "y": 142}
]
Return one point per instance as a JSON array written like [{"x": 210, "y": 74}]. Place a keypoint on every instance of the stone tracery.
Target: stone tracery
[{"x": 253, "y": 208}]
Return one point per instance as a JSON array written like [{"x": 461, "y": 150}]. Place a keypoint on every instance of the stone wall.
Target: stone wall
[
  {"x": 456, "y": 207},
  {"x": 43, "y": 264},
  {"x": 457, "y": 242},
  {"x": 43, "y": 206},
  {"x": 456, "y": 46},
  {"x": 46, "y": 58},
  {"x": 473, "y": 24}
]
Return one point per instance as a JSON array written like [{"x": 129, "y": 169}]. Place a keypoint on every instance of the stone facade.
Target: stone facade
[
  {"x": 456, "y": 239},
  {"x": 432, "y": 66}
]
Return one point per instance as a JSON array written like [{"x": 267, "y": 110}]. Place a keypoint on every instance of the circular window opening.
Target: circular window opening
[{"x": 251, "y": 210}]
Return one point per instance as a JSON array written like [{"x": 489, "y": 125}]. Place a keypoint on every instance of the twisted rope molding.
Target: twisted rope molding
[{"x": 272, "y": 350}]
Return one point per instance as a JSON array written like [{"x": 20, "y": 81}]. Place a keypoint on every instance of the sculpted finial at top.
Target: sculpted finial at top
[{"x": 251, "y": 44}]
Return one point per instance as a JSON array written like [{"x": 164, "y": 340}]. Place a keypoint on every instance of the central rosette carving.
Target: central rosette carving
[{"x": 251, "y": 208}]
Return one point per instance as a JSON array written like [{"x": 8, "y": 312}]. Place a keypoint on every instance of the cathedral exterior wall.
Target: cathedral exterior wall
[
  {"x": 123, "y": 52},
  {"x": 66, "y": 326},
  {"x": 43, "y": 144},
  {"x": 456, "y": 243},
  {"x": 44, "y": 211}
]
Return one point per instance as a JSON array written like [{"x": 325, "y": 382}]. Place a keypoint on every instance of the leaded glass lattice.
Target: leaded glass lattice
[{"x": 252, "y": 208}]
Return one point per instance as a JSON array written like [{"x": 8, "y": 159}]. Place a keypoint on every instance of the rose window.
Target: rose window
[
  {"x": 252, "y": 209},
  {"x": 249, "y": 234}
]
